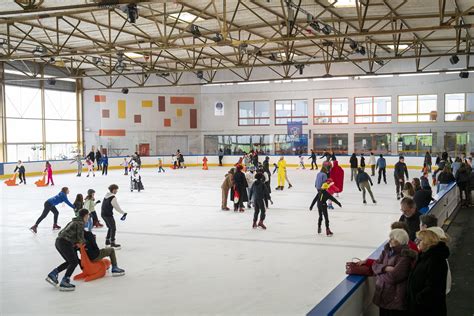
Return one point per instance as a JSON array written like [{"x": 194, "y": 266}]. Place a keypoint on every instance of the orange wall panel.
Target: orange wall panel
[
  {"x": 182, "y": 100},
  {"x": 112, "y": 132}
]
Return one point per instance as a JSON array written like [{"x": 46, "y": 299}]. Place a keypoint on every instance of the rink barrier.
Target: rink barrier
[
  {"x": 353, "y": 296},
  {"x": 35, "y": 168}
]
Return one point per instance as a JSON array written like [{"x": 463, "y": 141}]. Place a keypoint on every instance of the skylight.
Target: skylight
[
  {"x": 133, "y": 55},
  {"x": 185, "y": 17},
  {"x": 400, "y": 47},
  {"x": 345, "y": 3}
]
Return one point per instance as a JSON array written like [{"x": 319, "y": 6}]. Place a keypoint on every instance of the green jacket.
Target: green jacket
[{"x": 74, "y": 231}]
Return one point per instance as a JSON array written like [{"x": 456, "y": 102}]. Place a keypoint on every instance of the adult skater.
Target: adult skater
[
  {"x": 281, "y": 173},
  {"x": 95, "y": 254},
  {"x": 105, "y": 164},
  {"x": 226, "y": 187},
  {"x": 362, "y": 161},
  {"x": 50, "y": 206},
  {"x": 399, "y": 173},
  {"x": 462, "y": 181},
  {"x": 240, "y": 186},
  {"x": 259, "y": 193},
  {"x": 321, "y": 199},
  {"x": 428, "y": 161},
  {"x": 78, "y": 161},
  {"x": 21, "y": 172},
  {"x": 108, "y": 205},
  {"x": 266, "y": 167},
  {"x": 372, "y": 164},
  {"x": 91, "y": 155},
  {"x": 49, "y": 171},
  {"x": 326, "y": 155},
  {"x": 337, "y": 175},
  {"x": 69, "y": 239},
  {"x": 314, "y": 164},
  {"x": 98, "y": 158},
  {"x": 363, "y": 180},
  {"x": 354, "y": 165},
  {"x": 89, "y": 204},
  {"x": 221, "y": 156},
  {"x": 381, "y": 166}
]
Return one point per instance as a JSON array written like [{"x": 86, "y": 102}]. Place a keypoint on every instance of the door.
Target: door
[
  {"x": 167, "y": 145},
  {"x": 144, "y": 149}
]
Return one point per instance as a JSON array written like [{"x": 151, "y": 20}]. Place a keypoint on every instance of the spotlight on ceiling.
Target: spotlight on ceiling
[
  {"x": 163, "y": 74},
  {"x": 120, "y": 66},
  {"x": 199, "y": 74},
  {"x": 2, "y": 42},
  {"x": 132, "y": 13},
  {"x": 273, "y": 57},
  {"x": 194, "y": 29},
  {"x": 125, "y": 90},
  {"x": 300, "y": 68},
  {"x": 379, "y": 62},
  {"x": 98, "y": 61},
  {"x": 360, "y": 50},
  {"x": 243, "y": 48},
  {"x": 51, "y": 81},
  {"x": 52, "y": 60},
  {"x": 352, "y": 44},
  {"x": 38, "y": 51},
  {"x": 327, "y": 43},
  {"x": 326, "y": 29},
  {"x": 315, "y": 26},
  {"x": 218, "y": 38},
  {"x": 454, "y": 59},
  {"x": 464, "y": 75}
]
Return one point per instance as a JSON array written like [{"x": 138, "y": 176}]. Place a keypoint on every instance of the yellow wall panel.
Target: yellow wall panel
[
  {"x": 122, "y": 112},
  {"x": 147, "y": 103},
  {"x": 179, "y": 112}
]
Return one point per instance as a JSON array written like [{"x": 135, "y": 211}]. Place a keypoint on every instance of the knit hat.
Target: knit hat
[
  {"x": 325, "y": 186},
  {"x": 438, "y": 231}
]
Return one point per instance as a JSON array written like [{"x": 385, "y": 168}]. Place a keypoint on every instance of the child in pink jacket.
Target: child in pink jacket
[{"x": 49, "y": 171}]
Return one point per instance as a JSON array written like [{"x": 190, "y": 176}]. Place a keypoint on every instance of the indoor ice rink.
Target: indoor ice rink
[{"x": 197, "y": 125}]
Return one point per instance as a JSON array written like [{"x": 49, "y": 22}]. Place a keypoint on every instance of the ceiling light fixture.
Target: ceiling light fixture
[
  {"x": 218, "y": 38},
  {"x": 199, "y": 74},
  {"x": 454, "y": 59},
  {"x": 132, "y": 13},
  {"x": 125, "y": 90},
  {"x": 464, "y": 75},
  {"x": 39, "y": 51},
  {"x": 345, "y": 3},
  {"x": 194, "y": 29},
  {"x": 300, "y": 68}
]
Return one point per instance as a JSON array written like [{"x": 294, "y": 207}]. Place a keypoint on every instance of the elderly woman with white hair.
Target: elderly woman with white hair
[{"x": 391, "y": 272}]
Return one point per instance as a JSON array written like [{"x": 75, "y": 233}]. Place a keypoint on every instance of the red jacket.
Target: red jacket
[{"x": 337, "y": 175}]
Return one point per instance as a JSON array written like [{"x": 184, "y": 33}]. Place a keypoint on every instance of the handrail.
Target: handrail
[{"x": 343, "y": 291}]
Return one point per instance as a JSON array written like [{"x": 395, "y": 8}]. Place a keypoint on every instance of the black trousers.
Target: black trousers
[
  {"x": 68, "y": 252},
  {"x": 464, "y": 187},
  {"x": 47, "y": 208},
  {"x": 105, "y": 168},
  {"x": 99, "y": 165},
  {"x": 95, "y": 219},
  {"x": 259, "y": 207},
  {"x": 399, "y": 184},
  {"x": 323, "y": 211},
  {"x": 382, "y": 171},
  {"x": 22, "y": 177},
  {"x": 111, "y": 228},
  {"x": 220, "y": 160},
  {"x": 313, "y": 163}
]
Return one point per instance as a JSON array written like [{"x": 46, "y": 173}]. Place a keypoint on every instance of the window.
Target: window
[
  {"x": 332, "y": 142},
  {"x": 456, "y": 143},
  {"x": 25, "y": 152},
  {"x": 291, "y": 111},
  {"x": 237, "y": 144},
  {"x": 253, "y": 113},
  {"x": 331, "y": 111},
  {"x": 415, "y": 144},
  {"x": 459, "y": 107},
  {"x": 289, "y": 145},
  {"x": 376, "y": 143},
  {"x": 373, "y": 110},
  {"x": 60, "y": 105},
  {"x": 22, "y": 102},
  {"x": 417, "y": 108}
]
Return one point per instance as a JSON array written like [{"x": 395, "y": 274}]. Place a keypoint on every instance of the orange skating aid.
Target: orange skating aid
[
  {"x": 91, "y": 270},
  {"x": 11, "y": 182},
  {"x": 204, "y": 164},
  {"x": 41, "y": 182}
]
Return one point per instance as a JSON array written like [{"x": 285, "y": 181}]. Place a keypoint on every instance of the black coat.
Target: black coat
[
  {"x": 462, "y": 176},
  {"x": 413, "y": 223},
  {"x": 91, "y": 245},
  {"x": 362, "y": 161},
  {"x": 241, "y": 185},
  {"x": 400, "y": 170},
  {"x": 422, "y": 198},
  {"x": 353, "y": 161},
  {"x": 446, "y": 178},
  {"x": 427, "y": 282},
  {"x": 259, "y": 192},
  {"x": 91, "y": 156}
]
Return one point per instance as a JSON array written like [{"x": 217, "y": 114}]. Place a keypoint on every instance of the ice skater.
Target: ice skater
[
  {"x": 399, "y": 173},
  {"x": 124, "y": 164},
  {"x": 78, "y": 203},
  {"x": 68, "y": 241},
  {"x": 90, "y": 167},
  {"x": 105, "y": 164},
  {"x": 49, "y": 172},
  {"x": 381, "y": 166},
  {"x": 363, "y": 180},
  {"x": 249, "y": 176},
  {"x": 372, "y": 163},
  {"x": 362, "y": 161},
  {"x": 259, "y": 193},
  {"x": 135, "y": 178},
  {"x": 239, "y": 191},
  {"x": 89, "y": 204},
  {"x": 321, "y": 199},
  {"x": 354, "y": 165},
  {"x": 78, "y": 161},
  {"x": 226, "y": 187},
  {"x": 160, "y": 165},
  {"x": 302, "y": 162},
  {"x": 98, "y": 158},
  {"x": 314, "y": 164},
  {"x": 95, "y": 254},
  {"x": 108, "y": 205},
  {"x": 50, "y": 206},
  {"x": 21, "y": 172}
]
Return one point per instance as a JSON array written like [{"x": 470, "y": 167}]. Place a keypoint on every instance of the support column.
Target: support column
[
  {"x": 3, "y": 125},
  {"x": 43, "y": 113},
  {"x": 80, "y": 123}
]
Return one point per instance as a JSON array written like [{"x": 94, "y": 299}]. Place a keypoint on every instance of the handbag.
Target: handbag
[{"x": 353, "y": 268}]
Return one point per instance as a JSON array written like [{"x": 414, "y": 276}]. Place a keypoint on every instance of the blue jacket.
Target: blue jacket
[
  {"x": 60, "y": 198},
  {"x": 105, "y": 161},
  {"x": 381, "y": 163},
  {"x": 320, "y": 179}
]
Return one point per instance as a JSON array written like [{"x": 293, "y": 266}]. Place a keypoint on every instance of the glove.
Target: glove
[
  {"x": 124, "y": 217},
  {"x": 97, "y": 202},
  {"x": 310, "y": 208},
  {"x": 360, "y": 190}
]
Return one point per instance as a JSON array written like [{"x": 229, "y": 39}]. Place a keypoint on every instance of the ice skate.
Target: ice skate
[
  {"x": 66, "y": 285},
  {"x": 56, "y": 226},
  {"x": 254, "y": 224},
  {"x": 328, "y": 232},
  {"x": 365, "y": 202},
  {"x": 289, "y": 186},
  {"x": 52, "y": 278},
  {"x": 319, "y": 229},
  {"x": 33, "y": 228},
  {"x": 375, "y": 202},
  {"x": 116, "y": 271},
  {"x": 115, "y": 246},
  {"x": 260, "y": 224}
]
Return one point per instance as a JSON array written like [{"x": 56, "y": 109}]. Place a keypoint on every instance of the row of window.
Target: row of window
[
  {"x": 410, "y": 144},
  {"x": 367, "y": 110}
]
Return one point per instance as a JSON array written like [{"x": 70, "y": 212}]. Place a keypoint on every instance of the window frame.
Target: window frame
[
  {"x": 465, "y": 104},
  {"x": 418, "y": 114},
  {"x": 373, "y": 107},
  {"x": 372, "y": 140},
  {"x": 291, "y": 117},
  {"x": 330, "y": 144},
  {"x": 315, "y": 117},
  {"x": 417, "y": 152},
  {"x": 254, "y": 117}
]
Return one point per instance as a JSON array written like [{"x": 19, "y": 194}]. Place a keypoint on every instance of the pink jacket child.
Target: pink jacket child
[
  {"x": 331, "y": 190},
  {"x": 49, "y": 171}
]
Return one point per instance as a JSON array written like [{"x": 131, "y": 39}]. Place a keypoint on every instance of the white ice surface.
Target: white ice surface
[{"x": 182, "y": 255}]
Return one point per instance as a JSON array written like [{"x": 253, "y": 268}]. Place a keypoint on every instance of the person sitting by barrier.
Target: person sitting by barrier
[
  {"x": 391, "y": 272},
  {"x": 410, "y": 216},
  {"x": 427, "y": 281}
]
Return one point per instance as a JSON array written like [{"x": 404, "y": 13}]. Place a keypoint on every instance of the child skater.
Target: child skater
[
  {"x": 95, "y": 254},
  {"x": 302, "y": 162},
  {"x": 78, "y": 204},
  {"x": 50, "y": 205},
  {"x": 332, "y": 189},
  {"x": 78, "y": 161},
  {"x": 259, "y": 193},
  {"x": 160, "y": 165},
  {"x": 49, "y": 171},
  {"x": 124, "y": 164},
  {"x": 321, "y": 198},
  {"x": 21, "y": 172},
  {"x": 108, "y": 205},
  {"x": 249, "y": 176},
  {"x": 174, "y": 162},
  {"x": 105, "y": 164},
  {"x": 69, "y": 239},
  {"x": 89, "y": 204},
  {"x": 90, "y": 167}
]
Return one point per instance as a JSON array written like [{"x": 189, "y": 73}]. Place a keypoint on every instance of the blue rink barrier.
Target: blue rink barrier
[{"x": 334, "y": 302}]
